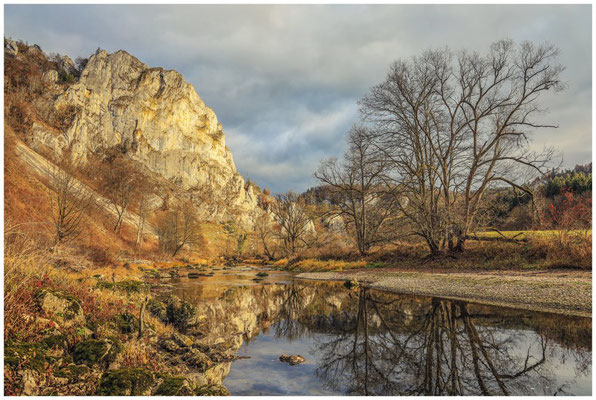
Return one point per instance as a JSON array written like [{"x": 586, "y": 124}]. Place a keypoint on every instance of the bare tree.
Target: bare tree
[
  {"x": 359, "y": 191},
  {"x": 70, "y": 201},
  {"x": 118, "y": 183},
  {"x": 143, "y": 213},
  {"x": 265, "y": 233},
  {"x": 179, "y": 228},
  {"x": 454, "y": 125},
  {"x": 295, "y": 224}
]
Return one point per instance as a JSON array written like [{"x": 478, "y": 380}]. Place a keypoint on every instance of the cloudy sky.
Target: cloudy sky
[{"x": 284, "y": 80}]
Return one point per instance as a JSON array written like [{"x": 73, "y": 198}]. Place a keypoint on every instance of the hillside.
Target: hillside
[{"x": 113, "y": 105}]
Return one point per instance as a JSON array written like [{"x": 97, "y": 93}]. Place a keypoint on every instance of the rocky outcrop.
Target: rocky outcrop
[
  {"x": 159, "y": 120},
  {"x": 65, "y": 309},
  {"x": 11, "y": 47}
]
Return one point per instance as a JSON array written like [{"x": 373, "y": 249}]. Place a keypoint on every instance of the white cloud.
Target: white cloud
[{"x": 284, "y": 80}]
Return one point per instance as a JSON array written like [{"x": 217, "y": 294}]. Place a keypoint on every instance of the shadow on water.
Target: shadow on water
[{"x": 370, "y": 342}]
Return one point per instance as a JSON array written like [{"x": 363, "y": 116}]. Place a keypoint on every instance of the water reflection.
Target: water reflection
[
  {"x": 370, "y": 342},
  {"x": 385, "y": 349}
]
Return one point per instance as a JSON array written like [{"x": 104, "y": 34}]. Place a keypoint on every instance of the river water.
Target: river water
[{"x": 371, "y": 342}]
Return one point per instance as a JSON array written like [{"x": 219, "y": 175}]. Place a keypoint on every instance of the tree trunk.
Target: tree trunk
[{"x": 142, "y": 316}]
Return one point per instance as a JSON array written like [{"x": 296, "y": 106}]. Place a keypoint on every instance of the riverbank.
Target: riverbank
[
  {"x": 77, "y": 331},
  {"x": 566, "y": 292}
]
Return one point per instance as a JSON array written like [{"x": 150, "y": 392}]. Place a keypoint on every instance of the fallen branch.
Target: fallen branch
[{"x": 497, "y": 239}]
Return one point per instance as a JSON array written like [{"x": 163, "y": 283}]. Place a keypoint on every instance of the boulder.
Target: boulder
[
  {"x": 126, "y": 323},
  {"x": 73, "y": 373},
  {"x": 50, "y": 77},
  {"x": 158, "y": 309},
  {"x": 62, "y": 307}
]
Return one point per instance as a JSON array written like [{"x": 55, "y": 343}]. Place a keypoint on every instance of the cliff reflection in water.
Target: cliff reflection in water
[{"x": 369, "y": 342}]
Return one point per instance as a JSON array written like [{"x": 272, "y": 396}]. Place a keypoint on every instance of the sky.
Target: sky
[{"x": 284, "y": 80}]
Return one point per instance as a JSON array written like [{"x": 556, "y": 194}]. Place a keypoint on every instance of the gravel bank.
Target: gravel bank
[{"x": 564, "y": 292}]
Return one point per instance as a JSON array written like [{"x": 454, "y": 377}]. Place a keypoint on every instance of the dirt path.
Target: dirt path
[{"x": 560, "y": 291}]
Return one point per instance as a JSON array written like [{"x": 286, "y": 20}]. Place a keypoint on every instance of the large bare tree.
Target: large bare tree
[
  {"x": 453, "y": 125},
  {"x": 359, "y": 192}
]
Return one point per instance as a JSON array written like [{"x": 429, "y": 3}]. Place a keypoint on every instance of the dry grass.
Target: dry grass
[
  {"x": 140, "y": 354},
  {"x": 316, "y": 265},
  {"x": 555, "y": 249},
  {"x": 531, "y": 234}
]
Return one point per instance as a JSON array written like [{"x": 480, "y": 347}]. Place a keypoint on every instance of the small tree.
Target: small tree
[
  {"x": 265, "y": 233},
  {"x": 123, "y": 183},
  {"x": 70, "y": 201},
  {"x": 359, "y": 191},
  {"x": 143, "y": 213},
  {"x": 289, "y": 212},
  {"x": 178, "y": 229}
]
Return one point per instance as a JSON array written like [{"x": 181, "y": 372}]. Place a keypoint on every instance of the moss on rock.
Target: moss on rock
[
  {"x": 128, "y": 286},
  {"x": 27, "y": 355},
  {"x": 92, "y": 352},
  {"x": 197, "y": 359},
  {"x": 180, "y": 313},
  {"x": 126, "y": 382},
  {"x": 74, "y": 373},
  {"x": 212, "y": 390},
  {"x": 158, "y": 309},
  {"x": 174, "y": 386},
  {"x": 126, "y": 323}
]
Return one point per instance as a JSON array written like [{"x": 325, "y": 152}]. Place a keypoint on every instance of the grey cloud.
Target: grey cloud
[{"x": 284, "y": 80}]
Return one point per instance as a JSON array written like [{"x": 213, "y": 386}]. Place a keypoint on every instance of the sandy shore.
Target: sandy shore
[{"x": 559, "y": 291}]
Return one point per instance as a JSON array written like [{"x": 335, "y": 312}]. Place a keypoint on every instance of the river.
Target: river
[{"x": 371, "y": 342}]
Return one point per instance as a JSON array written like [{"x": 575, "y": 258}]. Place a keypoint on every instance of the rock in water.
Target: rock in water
[{"x": 292, "y": 360}]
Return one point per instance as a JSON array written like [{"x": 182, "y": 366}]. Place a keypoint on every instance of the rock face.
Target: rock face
[{"x": 158, "y": 119}]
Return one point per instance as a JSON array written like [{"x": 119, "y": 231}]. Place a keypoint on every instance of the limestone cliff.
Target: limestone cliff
[{"x": 159, "y": 120}]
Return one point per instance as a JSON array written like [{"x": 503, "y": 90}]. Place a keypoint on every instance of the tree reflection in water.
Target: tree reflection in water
[
  {"x": 290, "y": 312},
  {"x": 370, "y": 342},
  {"x": 385, "y": 349}
]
